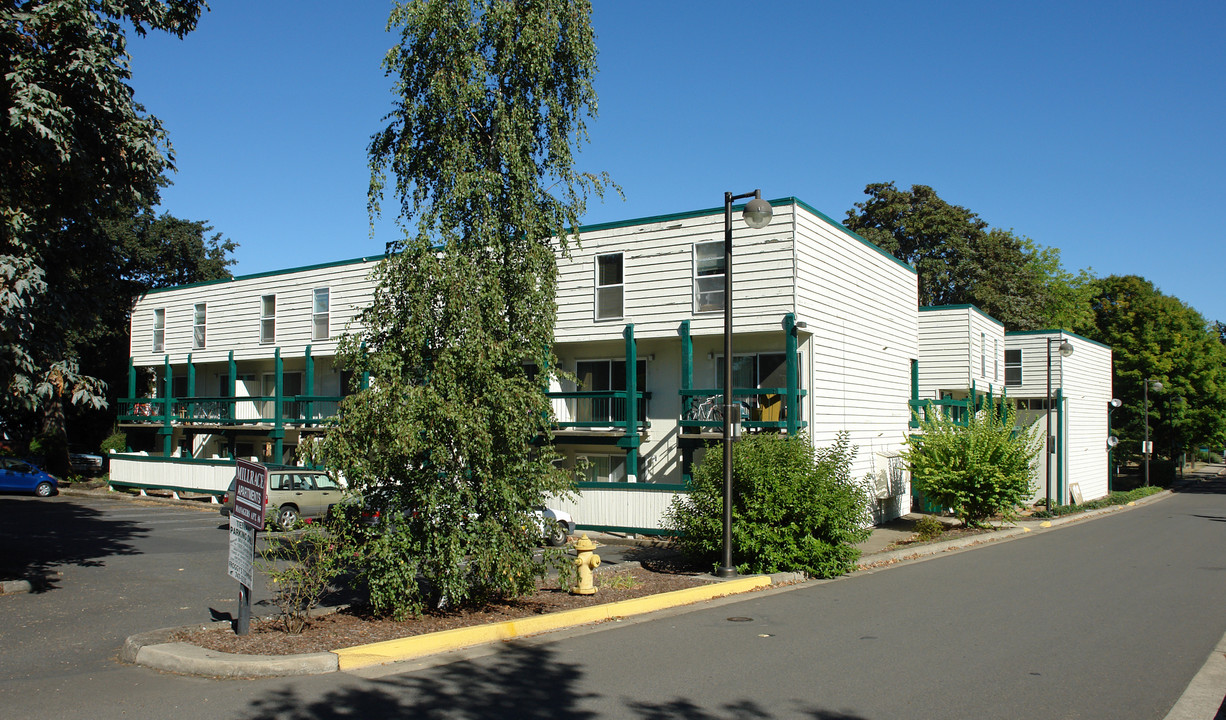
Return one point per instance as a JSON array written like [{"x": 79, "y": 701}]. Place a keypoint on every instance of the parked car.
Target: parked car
[
  {"x": 293, "y": 494},
  {"x": 85, "y": 463},
  {"x": 17, "y": 475}
]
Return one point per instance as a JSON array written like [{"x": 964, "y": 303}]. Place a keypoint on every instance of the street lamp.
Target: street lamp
[
  {"x": 1112, "y": 441},
  {"x": 1146, "y": 448},
  {"x": 1066, "y": 349},
  {"x": 757, "y": 214}
]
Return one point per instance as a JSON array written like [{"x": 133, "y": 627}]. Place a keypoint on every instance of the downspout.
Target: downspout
[{"x": 1060, "y": 437}]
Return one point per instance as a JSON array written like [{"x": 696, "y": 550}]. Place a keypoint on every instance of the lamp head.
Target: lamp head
[
  {"x": 1157, "y": 386},
  {"x": 757, "y": 213},
  {"x": 1066, "y": 348},
  {"x": 1112, "y": 441},
  {"x": 1116, "y": 402}
]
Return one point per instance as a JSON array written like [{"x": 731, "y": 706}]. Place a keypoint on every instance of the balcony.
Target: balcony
[
  {"x": 761, "y": 408},
  {"x": 301, "y": 410},
  {"x": 599, "y": 410}
]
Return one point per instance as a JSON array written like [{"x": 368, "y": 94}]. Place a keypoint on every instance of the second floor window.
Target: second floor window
[
  {"x": 199, "y": 320},
  {"x": 159, "y": 330},
  {"x": 709, "y": 276},
  {"x": 320, "y": 321},
  {"x": 1013, "y": 367},
  {"x": 268, "y": 319},
  {"x": 610, "y": 288}
]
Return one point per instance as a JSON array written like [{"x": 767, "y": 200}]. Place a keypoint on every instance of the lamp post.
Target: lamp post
[
  {"x": 757, "y": 214},
  {"x": 1066, "y": 349},
  {"x": 1112, "y": 441},
  {"x": 1146, "y": 448}
]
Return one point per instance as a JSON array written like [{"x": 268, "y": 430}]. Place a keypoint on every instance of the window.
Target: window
[
  {"x": 1013, "y": 367},
  {"x": 983, "y": 354},
  {"x": 607, "y": 376},
  {"x": 268, "y": 319},
  {"x": 760, "y": 371},
  {"x": 995, "y": 360},
  {"x": 709, "y": 277},
  {"x": 602, "y": 468},
  {"x": 610, "y": 288},
  {"x": 319, "y": 315},
  {"x": 159, "y": 330},
  {"x": 199, "y": 318}
]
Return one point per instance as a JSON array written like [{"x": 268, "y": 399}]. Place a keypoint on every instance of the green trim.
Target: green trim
[
  {"x": 268, "y": 273},
  {"x": 173, "y": 488},
  {"x": 1014, "y": 333},
  {"x": 630, "y": 487},
  {"x": 967, "y": 306},
  {"x": 621, "y": 529}
]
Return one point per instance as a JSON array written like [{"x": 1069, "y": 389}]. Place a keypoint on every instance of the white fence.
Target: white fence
[{"x": 612, "y": 507}]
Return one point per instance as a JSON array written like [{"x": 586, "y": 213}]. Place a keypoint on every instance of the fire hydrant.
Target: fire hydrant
[{"x": 587, "y": 562}]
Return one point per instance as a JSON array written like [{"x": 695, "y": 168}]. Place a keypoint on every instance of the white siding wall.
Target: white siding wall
[
  {"x": 958, "y": 346},
  {"x": 233, "y": 314},
  {"x": 658, "y": 266},
  {"x": 861, "y": 307}
]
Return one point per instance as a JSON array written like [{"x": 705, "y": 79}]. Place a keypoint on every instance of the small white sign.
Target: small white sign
[
  {"x": 242, "y": 552},
  {"x": 1147, "y": 447}
]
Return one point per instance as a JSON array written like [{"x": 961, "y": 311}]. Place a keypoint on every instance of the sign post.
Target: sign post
[{"x": 250, "y": 495}]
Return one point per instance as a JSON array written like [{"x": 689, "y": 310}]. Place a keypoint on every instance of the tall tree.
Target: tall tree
[
  {"x": 1157, "y": 337},
  {"x": 453, "y": 432},
  {"x": 75, "y": 149},
  {"x": 959, "y": 259}
]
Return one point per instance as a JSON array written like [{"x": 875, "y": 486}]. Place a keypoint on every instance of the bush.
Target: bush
[
  {"x": 980, "y": 470},
  {"x": 793, "y": 508},
  {"x": 300, "y": 569},
  {"x": 929, "y": 528},
  {"x": 1115, "y": 498},
  {"x": 115, "y": 442}
]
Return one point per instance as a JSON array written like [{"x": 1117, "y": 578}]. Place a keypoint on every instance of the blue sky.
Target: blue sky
[{"x": 1092, "y": 127}]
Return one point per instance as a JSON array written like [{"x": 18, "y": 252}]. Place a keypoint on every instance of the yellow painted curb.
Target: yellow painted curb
[{"x": 360, "y": 656}]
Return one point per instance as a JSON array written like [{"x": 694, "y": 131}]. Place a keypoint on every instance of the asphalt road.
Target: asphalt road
[{"x": 1108, "y": 618}]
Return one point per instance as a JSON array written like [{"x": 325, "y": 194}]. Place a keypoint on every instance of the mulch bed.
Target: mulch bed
[{"x": 354, "y": 626}]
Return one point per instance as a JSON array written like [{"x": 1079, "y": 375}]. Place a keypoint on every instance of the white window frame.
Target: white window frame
[
  {"x": 317, "y": 316},
  {"x": 613, "y": 461},
  {"x": 695, "y": 277},
  {"x": 983, "y": 355},
  {"x": 995, "y": 360},
  {"x": 200, "y": 322},
  {"x": 268, "y": 321},
  {"x": 159, "y": 330},
  {"x": 606, "y": 290}
]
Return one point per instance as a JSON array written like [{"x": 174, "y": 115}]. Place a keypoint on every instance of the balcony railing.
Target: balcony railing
[
  {"x": 761, "y": 408},
  {"x": 296, "y": 410},
  {"x": 597, "y": 409}
]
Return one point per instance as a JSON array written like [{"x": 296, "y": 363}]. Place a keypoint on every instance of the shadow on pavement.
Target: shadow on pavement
[
  {"x": 524, "y": 683},
  {"x": 39, "y": 535}
]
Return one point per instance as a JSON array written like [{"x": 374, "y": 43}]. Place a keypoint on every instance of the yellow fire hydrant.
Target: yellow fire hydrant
[{"x": 587, "y": 562}]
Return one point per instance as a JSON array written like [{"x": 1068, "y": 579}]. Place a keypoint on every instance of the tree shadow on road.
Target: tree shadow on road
[
  {"x": 40, "y": 535},
  {"x": 521, "y": 682}
]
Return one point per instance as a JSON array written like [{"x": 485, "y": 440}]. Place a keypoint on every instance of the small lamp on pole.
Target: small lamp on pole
[
  {"x": 1066, "y": 349},
  {"x": 1147, "y": 449},
  {"x": 757, "y": 214}
]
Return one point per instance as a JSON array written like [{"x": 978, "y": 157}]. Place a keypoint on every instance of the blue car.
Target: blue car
[{"x": 17, "y": 475}]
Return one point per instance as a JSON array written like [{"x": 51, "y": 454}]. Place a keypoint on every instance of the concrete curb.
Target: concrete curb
[{"x": 15, "y": 586}]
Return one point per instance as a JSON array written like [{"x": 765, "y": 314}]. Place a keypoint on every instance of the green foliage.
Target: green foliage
[
  {"x": 450, "y": 443},
  {"x": 793, "y": 508},
  {"x": 1157, "y": 337},
  {"x": 961, "y": 260},
  {"x": 621, "y": 580},
  {"x": 928, "y": 528},
  {"x": 1115, "y": 498},
  {"x": 115, "y": 442},
  {"x": 301, "y": 569},
  {"x": 981, "y": 470}
]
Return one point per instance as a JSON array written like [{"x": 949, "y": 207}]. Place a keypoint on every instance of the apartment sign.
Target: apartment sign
[{"x": 250, "y": 493}]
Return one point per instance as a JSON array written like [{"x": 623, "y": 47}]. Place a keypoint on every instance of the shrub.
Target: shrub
[
  {"x": 115, "y": 442},
  {"x": 300, "y": 569},
  {"x": 980, "y": 470},
  {"x": 793, "y": 508},
  {"x": 929, "y": 528},
  {"x": 1116, "y": 498}
]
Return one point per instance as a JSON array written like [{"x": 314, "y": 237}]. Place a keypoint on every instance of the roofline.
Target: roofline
[
  {"x": 1059, "y": 332},
  {"x": 790, "y": 200},
  {"x": 966, "y": 306}
]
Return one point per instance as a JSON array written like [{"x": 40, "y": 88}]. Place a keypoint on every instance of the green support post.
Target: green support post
[
  {"x": 308, "y": 407},
  {"x": 278, "y": 433},
  {"x": 792, "y": 409},
  {"x": 191, "y": 386},
  {"x": 687, "y": 383},
  {"x": 914, "y": 393},
  {"x": 167, "y": 405},
  {"x": 131, "y": 379},
  {"x": 631, "y": 439},
  {"x": 1060, "y": 442},
  {"x": 231, "y": 384}
]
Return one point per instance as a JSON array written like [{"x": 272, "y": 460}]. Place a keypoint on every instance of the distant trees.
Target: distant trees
[{"x": 960, "y": 260}]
